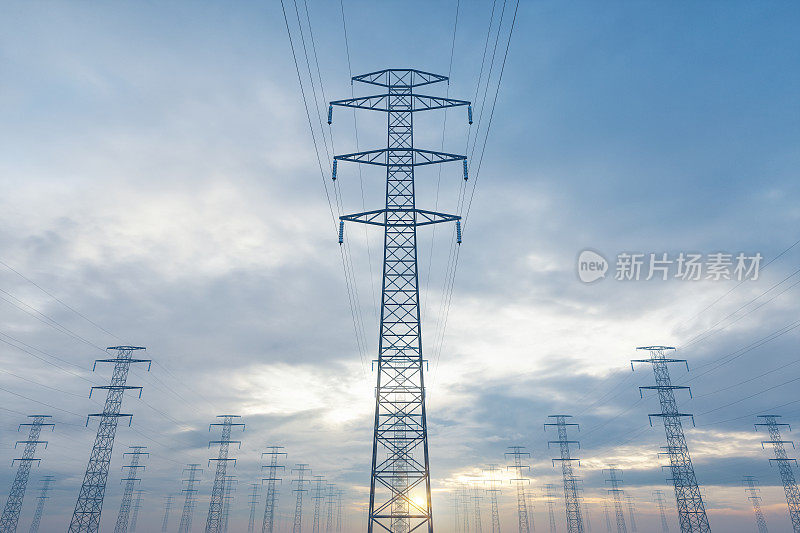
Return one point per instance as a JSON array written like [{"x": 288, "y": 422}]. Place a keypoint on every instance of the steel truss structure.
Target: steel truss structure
[
  {"x": 190, "y": 500},
  {"x": 494, "y": 493},
  {"x": 214, "y": 520},
  {"x": 519, "y": 480},
  {"x": 571, "y": 492},
  {"x": 274, "y": 453},
  {"x": 137, "y": 505},
  {"x": 167, "y": 509},
  {"x": 302, "y": 481},
  {"x": 616, "y": 492},
  {"x": 40, "y": 501},
  {"x": 255, "y": 495},
  {"x": 10, "y": 517},
  {"x": 136, "y": 454},
  {"x": 691, "y": 510},
  {"x": 550, "y": 497},
  {"x": 86, "y": 517},
  {"x": 751, "y": 488},
  {"x": 784, "y": 465},
  {"x": 400, "y": 477},
  {"x": 230, "y": 488},
  {"x": 318, "y": 496},
  {"x": 659, "y": 499}
]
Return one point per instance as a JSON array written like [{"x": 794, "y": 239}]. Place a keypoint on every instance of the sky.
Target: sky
[{"x": 161, "y": 188}]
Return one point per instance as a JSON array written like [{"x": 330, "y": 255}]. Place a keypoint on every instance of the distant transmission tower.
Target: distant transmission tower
[
  {"x": 330, "y": 502},
  {"x": 10, "y": 517},
  {"x": 227, "y": 501},
  {"x": 190, "y": 500},
  {"x": 551, "y": 502},
  {"x": 302, "y": 481},
  {"x": 587, "y": 518},
  {"x": 167, "y": 509},
  {"x": 254, "y": 501},
  {"x": 605, "y": 511},
  {"x": 272, "y": 479},
  {"x": 40, "y": 501},
  {"x": 456, "y": 512},
  {"x": 137, "y": 504},
  {"x": 494, "y": 492},
  {"x": 751, "y": 487},
  {"x": 214, "y": 519},
  {"x": 631, "y": 511},
  {"x": 400, "y": 468},
  {"x": 123, "y": 518},
  {"x": 784, "y": 466},
  {"x": 659, "y": 496},
  {"x": 615, "y": 481},
  {"x": 476, "y": 506},
  {"x": 318, "y": 496},
  {"x": 571, "y": 497},
  {"x": 691, "y": 510},
  {"x": 465, "y": 500},
  {"x": 339, "y": 511},
  {"x": 519, "y": 479},
  {"x": 86, "y": 517}
]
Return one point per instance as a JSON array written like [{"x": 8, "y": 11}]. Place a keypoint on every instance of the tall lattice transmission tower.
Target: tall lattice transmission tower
[
  {"x": 494, "y": 493},
  {"x": 476, "y": 498},
  {"x": 190, "y": 498},
  {"x": 86, "y": 517},
  {"x": 40, "y": 501},
  {"x": 330, "y": 503},
  {"x": 302, "y": 482},
  {"x": 318, "y": 496},
  {"x": 137, "y": 505},
  {"x": 339, "y": 511},
  {"x": 784, "y": 465},
  {"x": 605, "y": 512},
  {"x": 751, "y": 488},
  {"x": 571, "y": 492},
  {"x": 662, "y": 511},
  {"x": 215, "y": 507},
  {"x": 255, "y": 496},
  {"x": 615, "y": 480},
  {"x": 227, "y": 502},
  {"x": 519, "y": 479},
  {"x": 691, "y": 510},
  {"x": 400, "y": 467},
  {"x": 631, "y": 512},
  {"x": 550, "y": 498},
  {"x": 10, "y": 517},
  {"x": 135, "y": 456},
  {"x": 587, "y": 518},
  {"x": 274, "y": 453},
  {"x": 167, "y": 509}
]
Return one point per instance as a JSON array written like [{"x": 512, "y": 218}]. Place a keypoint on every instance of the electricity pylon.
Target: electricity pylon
[
  {"x": 631, "y": 512},
  {"x": 10, "y": 517},
  {"x": 329, "y": 507},
  {"x": 659, "y": 496},
  {"x": 465, "y": 507},
  {"x": 40, "y": 501},
  {"x": 494, "y": 492},
  {"x": 254, "y": 501},
  {"x": 137, "y": 504},
  {"x": 227, "y": 501},
  {"x": 274, "y": 453},
  {"x": 302, "y": 481},
  {"x": 319, "y": 483},
  {"x": 86, "y": 517},
  {"x": 339, "y": 510},
  {"x": 123, "y": 518},
  {"x": 214, "y": 518},
  {"x": 751, "y": 488},
  {"x": 190, "y": 500},
  {"x": 571, "y": 497},
  {"x": 456, "y": 512},
  {"x": 587, "y": 518},
  {"x": 691, "y": 510},
  {"x": 605, "y": 511},
  {"x": 784, "y": 465},
  {"x": 551, "y": 502},
  {"x": 400, "y": 468},
  {"x": 476, "y": 507},
  {"x": 519, "y": 469},
  {"x": 167, "y": 509},
  {"x": 616, "y": 492}
]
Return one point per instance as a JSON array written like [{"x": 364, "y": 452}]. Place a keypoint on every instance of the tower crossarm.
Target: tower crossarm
[
  {"x": 411, "y": 102},
  {"x": 400, "y": 156},
  {"x": 400, "y": 217}
]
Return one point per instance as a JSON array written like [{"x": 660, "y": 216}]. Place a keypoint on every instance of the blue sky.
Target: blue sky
[{"x": 159, "y": 177}]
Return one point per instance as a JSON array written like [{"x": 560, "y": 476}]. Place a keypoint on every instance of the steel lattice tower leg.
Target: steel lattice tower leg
[
  {"x": 476, "y": 507},
  {"x": 329, "y": 507},
  {"x": 10, "y": 517},
  {"x": 465, "y": 507},
  {"x": 137, "y": 504},
  {"x": 586, "y": 516},
  {"x": 616, "y": 492},
  {"x": 190, "y": 498},
  {"x": 130, "y": 484},
  {"x": 571, "y": 497},
  {"x": 339, "y": 511},
  {"x": 751, "y": 488},
  {"x": 519, "y": 470},
  {"x": 494, "y": 492},
  {"x": 400, "y": 466},
  {"x": 551, "y": 502},
  {"x": 691, "y": 510},
  {"x": 784, "y": 466},
  {"x": 227, "y": 502},
  {"x": 214, "y": 519},
  {"x": 40, "y": 501},
  {"x": 631, "y": 512},
  {"x": 659, "y": 495},
  {"x": 167, "y": 509},
  {"x": 254, "y": 501},
  {"x": 86, "y": 517},
  {"x": 605, "y": 511},
  {"x": 302, "y": 481},
  {"x": 274, "y": 453},
  {"x": 319, "y": 484}
]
